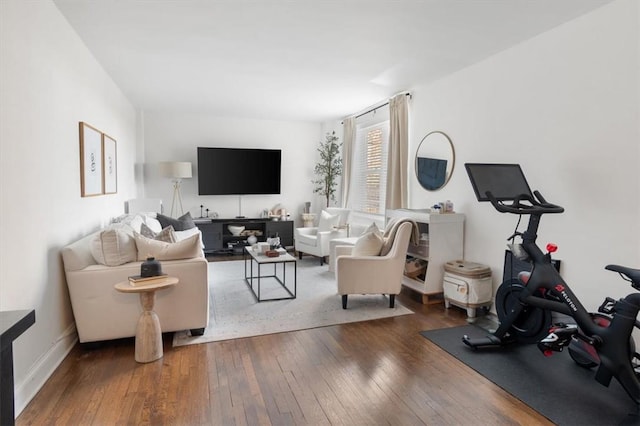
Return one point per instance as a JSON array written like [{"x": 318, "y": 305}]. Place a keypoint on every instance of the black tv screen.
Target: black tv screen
[{"x": 238, "y": 171}]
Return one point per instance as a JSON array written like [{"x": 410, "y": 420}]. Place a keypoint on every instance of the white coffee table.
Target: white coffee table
[{"x": 252, "y": 256}]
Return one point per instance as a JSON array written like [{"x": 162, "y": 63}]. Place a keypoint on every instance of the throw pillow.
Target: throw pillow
[
  {"x": 167, "y": 234},
  {"x": 127, "y": 223},
  {"x": 181, "y": 235},
  {"x": 182, "y": 223},
  {"x": 368, "y": 244},
  {"x": 328, "y": 221},
  {"x": 185, "y": 249},
  {"x": 373, "y": 228},
  {"x": 113, "y": 247},
  {"x": 153, "y": 223}
]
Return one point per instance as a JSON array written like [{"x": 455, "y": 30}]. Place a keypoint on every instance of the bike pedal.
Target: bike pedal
[
  {"x": 559, "y": 337},
  {"x": 608, "y": 306}
]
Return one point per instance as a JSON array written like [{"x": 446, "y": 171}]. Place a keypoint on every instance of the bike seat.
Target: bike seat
[{"x": 632, "y": 274}]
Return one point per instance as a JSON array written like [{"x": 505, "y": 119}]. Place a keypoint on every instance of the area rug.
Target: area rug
[
  {"x": 554, "y": 386},
  {"x": 234, "y": 312}
]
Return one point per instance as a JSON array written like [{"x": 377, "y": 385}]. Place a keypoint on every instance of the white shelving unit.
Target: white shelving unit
[{"x": 446, "y": 243}]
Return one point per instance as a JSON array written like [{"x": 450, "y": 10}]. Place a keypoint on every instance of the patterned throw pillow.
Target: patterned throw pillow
[{"x": 167, "y": 234}]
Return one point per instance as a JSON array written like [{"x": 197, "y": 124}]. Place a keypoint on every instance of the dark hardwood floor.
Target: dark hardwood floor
[{"x": 370, "y": 373}]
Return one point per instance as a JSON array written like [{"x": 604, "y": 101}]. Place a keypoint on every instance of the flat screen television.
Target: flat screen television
[{"x": 238, "y": 171}]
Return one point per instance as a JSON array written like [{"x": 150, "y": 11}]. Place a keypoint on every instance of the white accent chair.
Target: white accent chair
[
  {"x": 333, "y": 223},
  {"x": 373, "y": 274}
]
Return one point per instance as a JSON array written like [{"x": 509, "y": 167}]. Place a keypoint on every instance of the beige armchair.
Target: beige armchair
[
  {"x": 333, "y": 224},
  {"x": 373, "y": 274}
]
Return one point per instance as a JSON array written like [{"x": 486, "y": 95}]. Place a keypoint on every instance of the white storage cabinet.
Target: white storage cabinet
[{"x": 446, "y": 242}]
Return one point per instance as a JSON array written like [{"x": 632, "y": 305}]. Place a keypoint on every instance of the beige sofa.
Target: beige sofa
[{"x": 103, "y": 313}]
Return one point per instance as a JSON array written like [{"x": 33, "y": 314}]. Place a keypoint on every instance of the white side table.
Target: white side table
[{"x": 148, "y": 332}]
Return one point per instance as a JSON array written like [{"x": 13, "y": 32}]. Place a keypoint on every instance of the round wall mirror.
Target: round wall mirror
[{"x": 435, "y": 158}]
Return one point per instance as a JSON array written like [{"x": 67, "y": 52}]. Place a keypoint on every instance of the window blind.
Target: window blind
[{"x": 369, "y": 174}]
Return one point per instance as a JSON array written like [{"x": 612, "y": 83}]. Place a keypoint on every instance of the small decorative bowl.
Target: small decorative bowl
[{"x": 235, "y": 230}]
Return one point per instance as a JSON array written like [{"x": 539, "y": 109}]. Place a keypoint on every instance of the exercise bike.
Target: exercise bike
[{"x": 524, "y": 305}]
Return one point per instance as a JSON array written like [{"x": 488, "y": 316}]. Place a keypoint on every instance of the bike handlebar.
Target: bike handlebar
[{"x": 525, "y": 204}]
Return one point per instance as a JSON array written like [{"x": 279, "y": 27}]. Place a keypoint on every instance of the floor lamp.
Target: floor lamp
[{"x": 176, "y": 170}]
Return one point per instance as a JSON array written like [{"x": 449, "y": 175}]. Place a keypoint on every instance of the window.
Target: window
[{"x": 369, "y": 173}]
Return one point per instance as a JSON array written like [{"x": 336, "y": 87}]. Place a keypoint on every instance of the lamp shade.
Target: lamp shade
[{"x": 176, "y": 169}]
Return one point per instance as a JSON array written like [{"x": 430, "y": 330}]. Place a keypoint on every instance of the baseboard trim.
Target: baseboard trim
[{"x": 44, "y": 368}]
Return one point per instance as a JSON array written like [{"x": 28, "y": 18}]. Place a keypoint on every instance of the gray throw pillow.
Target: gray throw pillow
[{"x": 182, "y": 223}]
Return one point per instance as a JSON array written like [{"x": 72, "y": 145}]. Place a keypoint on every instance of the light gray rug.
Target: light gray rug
[{"x": 234, "y": 312}]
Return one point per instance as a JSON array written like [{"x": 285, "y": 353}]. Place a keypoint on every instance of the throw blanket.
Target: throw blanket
[{"x": 391, "y": 230}]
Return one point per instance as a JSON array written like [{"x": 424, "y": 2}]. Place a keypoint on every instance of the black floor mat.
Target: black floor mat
[{"x": 555, "y": 386}]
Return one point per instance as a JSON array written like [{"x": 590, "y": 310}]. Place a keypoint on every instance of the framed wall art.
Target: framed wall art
[
  {"x": 109, "y": 164},
  {"x": 91, "y": 178}
]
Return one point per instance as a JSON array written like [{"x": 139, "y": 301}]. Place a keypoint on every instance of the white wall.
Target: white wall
[
  {"x": 565, "y": 105},
  {"x": 49, "y": 82},
  {"x": 175, "y": 137}
]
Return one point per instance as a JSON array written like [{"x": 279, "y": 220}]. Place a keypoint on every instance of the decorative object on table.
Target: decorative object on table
[
  {"x": 235, "y": 230},
  {"x": 448, "y": 207},
  {"x": 263, "y": 247},
  {"x": 150, "y": 268},
  {"x": 91, "y": 178},
  {"x": 278, "y": 213},
  {"x": 176, "y": 170},
  {"x": 252, "y": 239},
  {"x": 109, "y": 165},
  {"x": 137, "y": 280},
  {"x": 274, "y": 242},
  {"x": 307, "y": 207},
  {"x": 328, "y": 168},
  {"x": 272, "y": 253}
]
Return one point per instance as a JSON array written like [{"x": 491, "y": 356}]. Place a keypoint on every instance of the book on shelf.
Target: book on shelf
[{"x": 140, "y": 280}]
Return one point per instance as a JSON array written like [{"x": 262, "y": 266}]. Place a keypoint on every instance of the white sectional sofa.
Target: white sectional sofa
[{"x": 103, "y": 313}]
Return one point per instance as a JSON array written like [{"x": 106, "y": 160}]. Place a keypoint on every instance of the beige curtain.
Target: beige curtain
[
  {"x": 398, "y": 152},
  {"x": 349, "y": 136}
]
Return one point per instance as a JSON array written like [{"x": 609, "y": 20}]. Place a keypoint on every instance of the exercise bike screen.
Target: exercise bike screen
[{"x": 504, "y": 181}]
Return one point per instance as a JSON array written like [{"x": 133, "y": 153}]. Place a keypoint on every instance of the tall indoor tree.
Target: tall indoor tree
[{"x": 328, "y": 168}]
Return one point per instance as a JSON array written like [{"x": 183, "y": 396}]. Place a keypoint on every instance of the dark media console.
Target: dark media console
[{"x": 218, "y": 239}]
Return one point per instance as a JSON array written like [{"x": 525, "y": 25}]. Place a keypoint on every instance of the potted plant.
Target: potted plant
[{"x": 328, "y": 168}]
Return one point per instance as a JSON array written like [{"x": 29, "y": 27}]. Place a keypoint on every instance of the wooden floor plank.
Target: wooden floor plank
[{"x": 375, "y": 372}]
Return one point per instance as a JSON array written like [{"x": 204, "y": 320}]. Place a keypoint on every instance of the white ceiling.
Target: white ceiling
[{"x": 306, "y": 60}]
